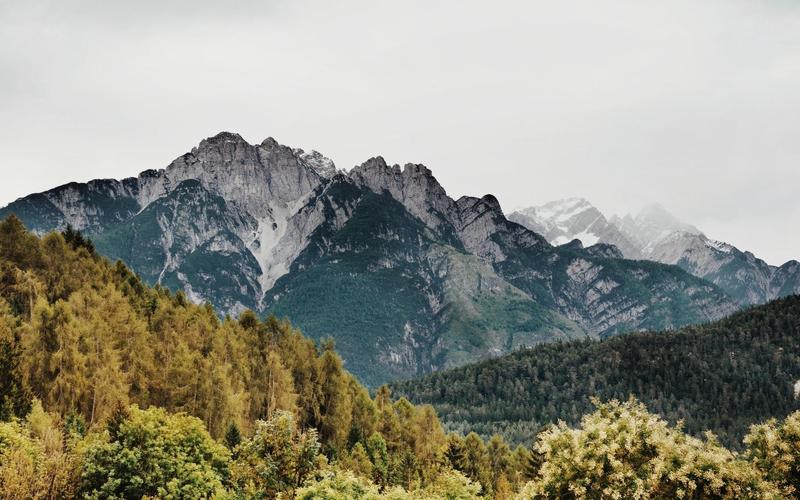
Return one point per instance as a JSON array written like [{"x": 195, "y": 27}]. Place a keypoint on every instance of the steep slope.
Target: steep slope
[
  {"x": 227, "y": 207},
  {"x": 399, "y": 300},
  {"x": 605, "y": 295},
  {"x": 655, "y": 234},
  {"x": 722, "y": 376},
  {"x": 190, "y": 239},
  {"x": 404, "y": 278}
]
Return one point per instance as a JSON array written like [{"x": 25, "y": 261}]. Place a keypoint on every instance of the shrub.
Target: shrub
[{"x": 158, "y": 454}]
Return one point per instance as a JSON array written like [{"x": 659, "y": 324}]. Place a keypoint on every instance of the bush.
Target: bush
[
  {"x": 158, "y": 454},
  {"x": 621, "y": 450},
  {"x": 336, "y": 485},
  {"x": 344, "y": 485},
  {"x": 775, "y": 449},
  {"x": 277, "y": 459},
  {"x": 35, "y": 459}
]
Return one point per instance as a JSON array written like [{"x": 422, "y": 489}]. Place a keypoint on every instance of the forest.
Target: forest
[
  {"x": 722, "y": 376},
  {"x": 110, "y": 388}
]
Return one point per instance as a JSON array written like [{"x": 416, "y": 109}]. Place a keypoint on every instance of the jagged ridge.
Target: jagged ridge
[{"x": 406, "y": 279}]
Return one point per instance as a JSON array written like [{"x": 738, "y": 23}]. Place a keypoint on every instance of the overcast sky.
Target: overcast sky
[{"x": 693, "y": 104}]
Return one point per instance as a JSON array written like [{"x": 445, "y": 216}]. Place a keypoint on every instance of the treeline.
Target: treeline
[
  {"x": 722, "y": 376},
  {"x": 94, "y": 346},
  {"x": 113, "y": 389}
]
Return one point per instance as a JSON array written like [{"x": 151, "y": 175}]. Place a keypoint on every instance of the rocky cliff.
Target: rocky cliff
[{"x": 404, "y": 278}]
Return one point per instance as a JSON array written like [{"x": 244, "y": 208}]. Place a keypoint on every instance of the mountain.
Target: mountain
[
  {"x": 655, "y": 234},
  {"x": 722, "y": 376},
  {"x": 565, "y": 220},
  {"x": 110, "y": 388},
  {"x": 404, "y": 278}
]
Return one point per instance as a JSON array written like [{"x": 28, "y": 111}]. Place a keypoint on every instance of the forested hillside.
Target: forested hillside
[
  {"x": 722, "y": 376},
  {"x": 92, "y": 346},
  {"x": 113, "y": 389}
]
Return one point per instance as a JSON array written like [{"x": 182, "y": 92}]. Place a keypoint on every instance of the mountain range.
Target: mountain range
[
  {"x": 404, "y": 278},
  {"x": 655, "y": 234}
]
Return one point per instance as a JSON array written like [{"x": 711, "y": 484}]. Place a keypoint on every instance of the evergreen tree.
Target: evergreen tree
[
  {"x": 475, "y": 462},
  {"x": 14, "y": 399},
  {"x": 233, "y": 436},
  {"x": 379, "y": 456},
  {"x": 277, "y": 459}
]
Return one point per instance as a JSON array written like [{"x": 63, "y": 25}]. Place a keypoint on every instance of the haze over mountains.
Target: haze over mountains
[
  {"x": 655, "y": 234},
  {"x": 406, "y": 279}
]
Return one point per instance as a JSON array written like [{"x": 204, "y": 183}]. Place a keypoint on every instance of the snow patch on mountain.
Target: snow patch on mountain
[
  {"x": 316, "y": 161},
  {"x": 562, "y": 221},
  {"x": 719, "y": 245},
  {"x": 656, "y": 234}
]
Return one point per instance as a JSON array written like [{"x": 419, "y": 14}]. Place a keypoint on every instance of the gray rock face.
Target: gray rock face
[
  {"x": 785, "y": 280},
  {"x": 583, "y": 291},
  {"x": 655, "y": 234},
  {"x": 406, "y": 279},
  {"x": 414, "y": 186}
]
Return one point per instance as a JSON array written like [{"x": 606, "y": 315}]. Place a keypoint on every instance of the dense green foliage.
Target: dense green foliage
[
  {"x": 154, "y": 453},
  {"x": 147, "y": 385},
  {"x": 722, "y": 376},
  {"x": 113, "y": 389}
]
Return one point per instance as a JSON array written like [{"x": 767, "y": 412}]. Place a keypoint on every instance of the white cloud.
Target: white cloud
[{"x": 693, "y": 104}]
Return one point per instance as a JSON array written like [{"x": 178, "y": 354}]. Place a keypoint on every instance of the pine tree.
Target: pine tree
[
  {"x": 233, "y": 436},
  {"x": 499, "y": 459},
  {"x": 379, "y": 456},
  {"x": 475, "y": 463},
  {"x": 14, "y": 399},
  {"x": 118, "y": 416},
  {"x": 454, "y": 453},
  {"x": 336, "y": 406},
  {"x": 18, "y": 246}
]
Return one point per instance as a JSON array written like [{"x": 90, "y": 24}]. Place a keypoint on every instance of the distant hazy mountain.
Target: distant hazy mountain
[
  {"x": 657, "y": 235},
  {"x": 562, "y": 221},
  {"x": 404, "y": 278}
]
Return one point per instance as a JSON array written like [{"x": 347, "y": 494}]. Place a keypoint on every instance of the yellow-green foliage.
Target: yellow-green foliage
[
  {"x": 143, "y": 385},
  {"x": 336, "y": 484},
  {"x": 623, "y": 451},
  {"x": 88, "y": 338},
  {"x": 775, "y": 449},
  {"x": 153, "y": 453},
  {"x": 278, "y": 458},
  {"x": 36, "y": 459},
  {"x": 84, "y": 336}
]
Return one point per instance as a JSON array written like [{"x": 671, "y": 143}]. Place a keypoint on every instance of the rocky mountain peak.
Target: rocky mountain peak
[
  {"x": 492, "y": 203},
  {"x": 373, "y": 166},
  {"x": 560, "y": 221},
  {"x": 270, "y": 143},
  {"x": 222, "y": 137},
  {"x": 655, "y": 217},
  {"x": 414, "y": 186},
  {"x": 412, "y": 170},
  {"x": 656, "y": 234},
  {"x": 277, "y": 229},
  {"x": 315, "y": 160}
]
